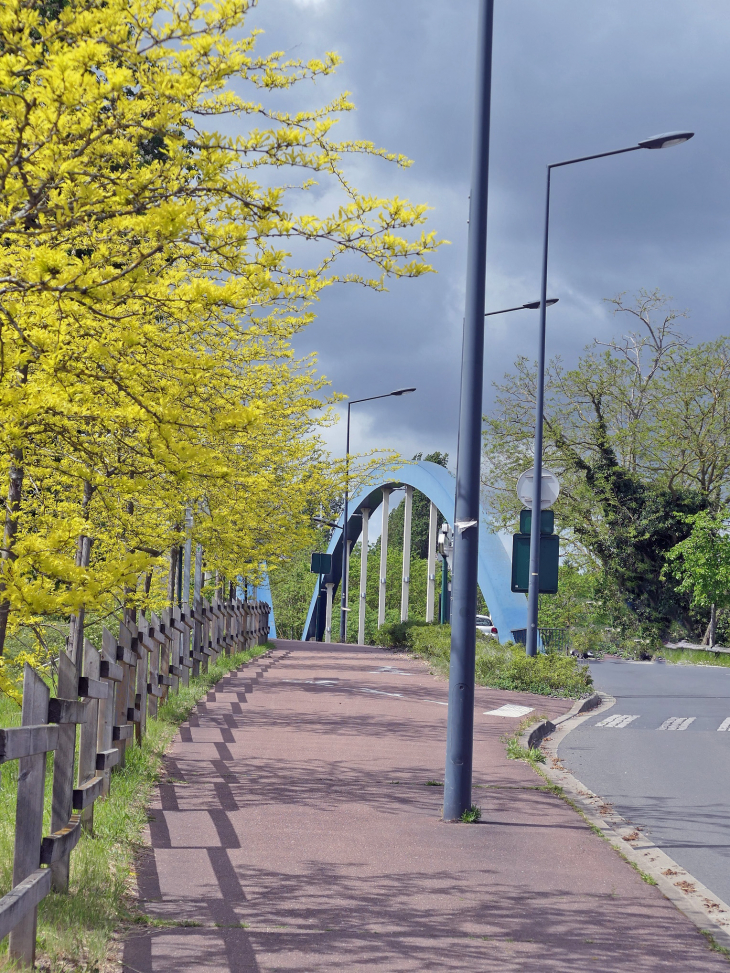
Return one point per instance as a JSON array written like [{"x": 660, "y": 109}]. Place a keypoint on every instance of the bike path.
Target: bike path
[{"x": 297, "y": 829}]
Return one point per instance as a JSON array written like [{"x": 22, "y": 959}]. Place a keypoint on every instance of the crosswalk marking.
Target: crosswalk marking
[
  {"x": 677, "y": 723},
  {"x": 725, "y": 725},
  {"x": 617, "y": 721}
]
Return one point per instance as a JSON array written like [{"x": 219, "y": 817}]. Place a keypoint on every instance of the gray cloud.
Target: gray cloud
[{"x": 569, "y": 78}]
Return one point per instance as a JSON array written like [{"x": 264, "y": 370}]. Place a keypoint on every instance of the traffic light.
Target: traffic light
[{"x": 549, "y": 554}]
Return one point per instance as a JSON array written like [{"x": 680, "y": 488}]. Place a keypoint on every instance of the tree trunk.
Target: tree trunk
[
  {"x": 711, "y": 630},
  {"x": 15, "y": 492},
  {"x": 171, "y": 577},
  {"x": 83, "y": 557}
]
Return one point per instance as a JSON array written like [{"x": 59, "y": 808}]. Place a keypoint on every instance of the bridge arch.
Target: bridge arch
[{"x": 508, "y": 609}]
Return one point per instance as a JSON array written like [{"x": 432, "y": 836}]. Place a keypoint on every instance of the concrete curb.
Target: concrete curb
[
  {"x": 542, "y": 730},
  {"x": 701, "y": 906}
]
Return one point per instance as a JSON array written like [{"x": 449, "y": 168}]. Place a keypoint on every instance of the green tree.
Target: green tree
[
  {"x": 701, "y": 565},
  {"x": 639, "y": 435}
]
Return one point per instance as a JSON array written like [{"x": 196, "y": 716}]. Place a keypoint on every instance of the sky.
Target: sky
[{"x": 570, "y": 78}]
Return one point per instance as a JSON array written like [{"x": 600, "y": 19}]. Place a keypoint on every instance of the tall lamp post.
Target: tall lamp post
[
  {"x": 658, "y": 142},
  {"x": 345, "y": 551}
]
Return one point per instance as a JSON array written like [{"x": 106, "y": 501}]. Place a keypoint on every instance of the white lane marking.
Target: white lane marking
[
  {"x": 379, "y": 692},
  {"x": 725, "y": 725},
  {"x": 313, "y": 682},
  {"x": 617, "y": 721},
  {"x": 391, "y": 670},
  {"x": 437, "y": 701},
  {"x": 510, "y": 709},
  {"x": 677, "y": 723}
]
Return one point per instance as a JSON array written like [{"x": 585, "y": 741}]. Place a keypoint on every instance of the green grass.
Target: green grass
[
  {"x": 499, "y": 666},
  {"x": 75, "y": 930},
  {"x": 471, "y": 815},
  {"x": 714, "y": 945},
  {"x": 695, "y": 658},
  {"x": 517, "y": 752}
]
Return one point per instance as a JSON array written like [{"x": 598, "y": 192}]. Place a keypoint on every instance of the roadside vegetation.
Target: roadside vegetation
[
  {"x": 501, "y": 666},
  {"x": 75, "y": 930},
  {"x": 638, "y": 433}
]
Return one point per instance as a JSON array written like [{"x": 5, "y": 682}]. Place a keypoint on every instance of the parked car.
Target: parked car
[{"x": 486, "y": 626}]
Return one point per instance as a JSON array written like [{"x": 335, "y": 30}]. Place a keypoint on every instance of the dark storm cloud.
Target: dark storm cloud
[{"x": 570, "y": 78}]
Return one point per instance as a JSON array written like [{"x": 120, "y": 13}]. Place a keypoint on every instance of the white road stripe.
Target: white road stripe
[
  {"x": 617, "y": 721},
  {"x": 380, "y": 692},
  {"x": 677, "y": 723},
  {"x": 510, "y": 709},
  {"x": 725, "y": 725}
]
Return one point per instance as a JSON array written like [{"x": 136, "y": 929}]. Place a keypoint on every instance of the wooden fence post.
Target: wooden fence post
[
  {"x": 186, "y": 661},
  {"x": 29, "y": 813},
  {"x": 92, "y": 688},
  {"x": 113, "y": 674},
  {"x": 63, "y": 769},
  {"x": 123, "y": 731}
]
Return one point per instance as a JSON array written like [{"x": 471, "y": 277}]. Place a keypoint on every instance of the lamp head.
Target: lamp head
[
  {"x": 534, "y": 305},
  {"x": 666, "y": 141},
  {"x": 402, "y": 391}
]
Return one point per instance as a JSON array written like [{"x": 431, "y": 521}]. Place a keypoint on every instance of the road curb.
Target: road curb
[
  {"x": 701, "y": 906},
  {"x": 544, "y": 729}
]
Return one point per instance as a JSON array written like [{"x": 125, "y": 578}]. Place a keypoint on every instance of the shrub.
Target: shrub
[{"x": 502, "y": 666}]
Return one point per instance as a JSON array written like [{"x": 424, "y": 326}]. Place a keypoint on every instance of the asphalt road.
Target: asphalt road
[{"x": 662, "y": 758}]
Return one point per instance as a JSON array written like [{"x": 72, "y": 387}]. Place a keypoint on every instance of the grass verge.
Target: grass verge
[
  {"x": 75, "y": 930},
  {"x": 695, "y": 658},
  {"x": 499, "y": 666}
]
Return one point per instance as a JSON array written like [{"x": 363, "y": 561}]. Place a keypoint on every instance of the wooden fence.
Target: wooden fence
[{"x": 109, "y": 695}]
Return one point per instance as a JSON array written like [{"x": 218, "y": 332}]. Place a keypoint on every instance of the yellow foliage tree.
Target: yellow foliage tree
[{"x": 149, "y": 294}]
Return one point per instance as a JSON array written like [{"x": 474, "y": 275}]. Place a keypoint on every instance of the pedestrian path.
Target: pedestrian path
[{"x": 298, "y": 828}]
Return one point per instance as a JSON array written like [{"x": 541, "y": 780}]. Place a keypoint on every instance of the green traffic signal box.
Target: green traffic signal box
[{"x": 549, "y": 554}]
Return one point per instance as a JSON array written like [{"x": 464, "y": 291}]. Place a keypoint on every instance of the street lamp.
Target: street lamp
[
  {"x": 665, "y": 141},
  {"x": 532, "y": 306},
  {"x": 345, "y": 552}
]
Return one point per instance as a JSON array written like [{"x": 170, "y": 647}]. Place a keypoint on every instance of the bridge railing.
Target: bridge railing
[{"x": 109, "y": 696}]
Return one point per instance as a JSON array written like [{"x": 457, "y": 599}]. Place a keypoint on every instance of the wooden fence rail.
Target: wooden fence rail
[{"x": 108, "y": 697}]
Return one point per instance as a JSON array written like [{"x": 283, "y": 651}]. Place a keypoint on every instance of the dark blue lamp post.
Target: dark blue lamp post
[
  {"x": 345, "y": 551},
  {"x": 658, "y": 142}
]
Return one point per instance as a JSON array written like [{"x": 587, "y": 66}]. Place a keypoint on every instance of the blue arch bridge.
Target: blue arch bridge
[{"x": 508, "y": 609}]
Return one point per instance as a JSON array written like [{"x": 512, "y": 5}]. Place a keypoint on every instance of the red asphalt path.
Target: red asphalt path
[{"x": 296, "y": 830}]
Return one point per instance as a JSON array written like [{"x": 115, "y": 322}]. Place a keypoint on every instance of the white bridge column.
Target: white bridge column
[
  {"x": 328, "y": 616},
  {"x": 363, "y": 576},
  {"x": 383, "y": 556},
  {"x": 406, "y": 580},
  {"x": 431, "y": 561}
]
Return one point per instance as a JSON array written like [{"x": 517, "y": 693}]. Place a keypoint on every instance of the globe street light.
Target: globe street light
[
  {"x": 345, "y": 552},
  {"x": 665, "y": 141}
]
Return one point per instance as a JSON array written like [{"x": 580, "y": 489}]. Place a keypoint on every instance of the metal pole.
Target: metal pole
[
  {"x": 460, "y": 730},
  {"x": 345, "y": 551},
  {"x": 431, "y": 560},
  {"x": 382, "y": 580},
  {"x": 533, "y": 596},
  {"x": 363, "y": 576},
  {"x": 328, "y": 618},
  {"x": 406, "y": 579},
  {"x": 444, "y": 591}
]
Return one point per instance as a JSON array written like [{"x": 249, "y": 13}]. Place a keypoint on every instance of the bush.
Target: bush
[
  {"x": 500, "y": 666},
  {"x": 399, "y": 635}
]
